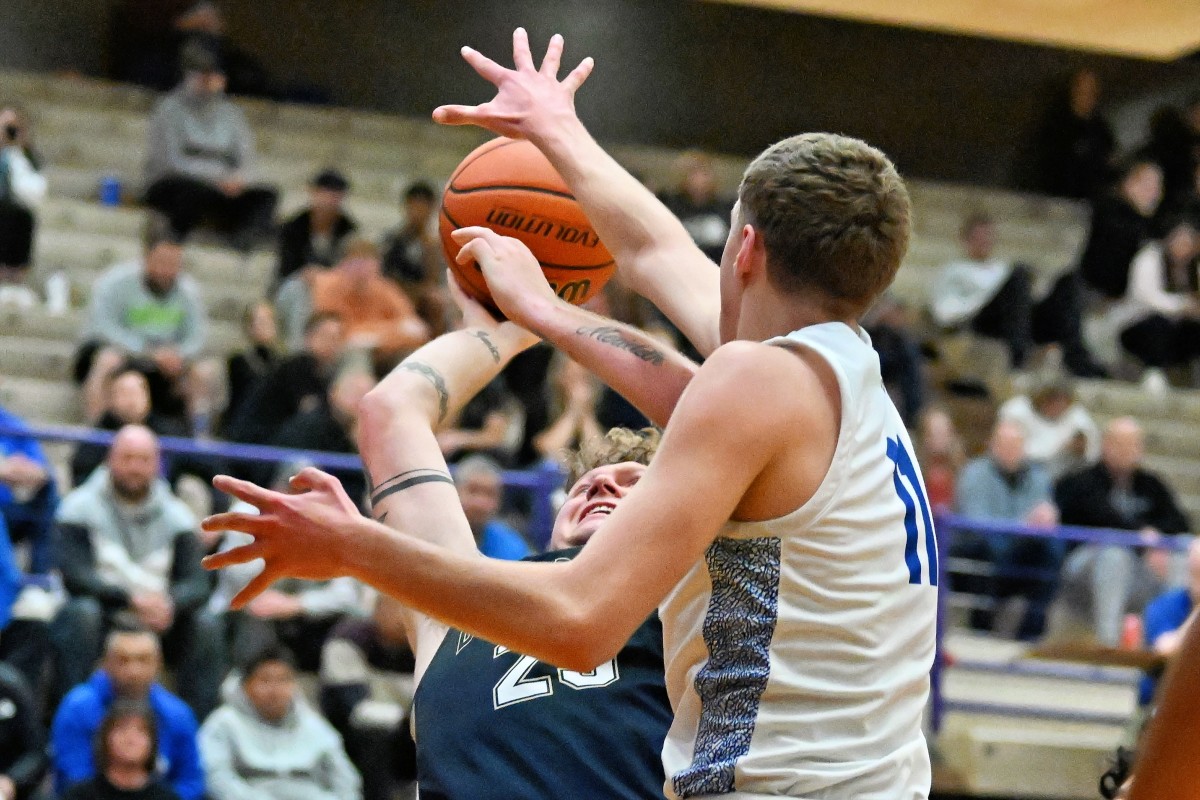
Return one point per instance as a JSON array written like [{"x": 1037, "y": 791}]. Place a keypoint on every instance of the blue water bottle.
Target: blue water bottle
[{"x": 110, "y": 191}]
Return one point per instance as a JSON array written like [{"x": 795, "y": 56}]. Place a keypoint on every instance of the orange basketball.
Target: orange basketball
[{"x": 509, "y": 186}]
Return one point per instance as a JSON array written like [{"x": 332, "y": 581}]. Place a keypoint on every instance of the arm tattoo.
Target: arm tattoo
[
  {"x": 406, "y": 480},
  {"x": 613, "y": 337},
  {"x": 487, "y": 341},
  {"x": 434, "y": 377}
]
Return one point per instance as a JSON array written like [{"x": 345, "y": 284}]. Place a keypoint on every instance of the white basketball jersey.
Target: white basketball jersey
[{"x": 798, "y": 651}]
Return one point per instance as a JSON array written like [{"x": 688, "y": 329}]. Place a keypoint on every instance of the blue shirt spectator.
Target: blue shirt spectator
[
  {"x": 1163, "y": 620},
  {"x": 27, "y": 492},
  {"x": 131, "y": 662},
  {"x": 499, "y": 540},
  {"x": 480, "y": 488}
]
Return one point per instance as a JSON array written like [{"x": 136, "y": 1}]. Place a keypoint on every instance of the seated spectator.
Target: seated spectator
[
  {"x": 128, "y": 674},
  {"x": 296, "y": 614},
  {"x": 900, "y": 362},
  {"x": 1102, "y": 583},
  {"x": 126, "y": 758},
  {"x": 246, "y": 368},
  {"x": 129, "y": 548},
  {"x": 22, "y": 190},
  {"x": 990, "y": 296},
  {"x": 297, "y": 384},
  {"x": 1003, "y": 486},
  {"x": 1076, "y": 142},
  {"x": 1060, "y": 434},
  {"x": 200, "y": 156},
  {"x": 266, "y": 742},
  {"x": 412, "y": 256},
  {"x": 575, "y": 394},
  {"x": 366, "y": 693},
  {"x": 941, "y": 455},
  {"x": 1122, "y": 223},
  {"x": 23, "y": 758},
  {"x": 28, "y": 495},
  {"x": 488, "y": 424},
  {"x": 331, "y": 427},
  {"x": 698, "y": 206},
  {"x": 150, "y": 314},
  {"x": 314, "y": 236},
  {"x": 379, "y": 317},
  {"x": 480, "y": 487},
  {"x": 1158, "y": 319},
  {"x": 1166, "y": 621}
]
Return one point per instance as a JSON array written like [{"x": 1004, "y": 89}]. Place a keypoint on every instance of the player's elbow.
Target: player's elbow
[{"x": 589, "y": 640}]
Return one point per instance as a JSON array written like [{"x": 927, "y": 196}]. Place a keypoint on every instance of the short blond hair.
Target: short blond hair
[{"x": 615, "y": 447}]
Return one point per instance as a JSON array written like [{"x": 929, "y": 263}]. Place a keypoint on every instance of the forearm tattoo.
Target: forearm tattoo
[
  {"x": 406, "y": 480},
  {"x": 487, "y": 342},
  {"x": 439, "y": 383},
  {"x": 613, "y": 337}
]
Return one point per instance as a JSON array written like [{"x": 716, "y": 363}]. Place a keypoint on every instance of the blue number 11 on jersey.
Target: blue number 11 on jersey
[{"x": 908, "y": 487}]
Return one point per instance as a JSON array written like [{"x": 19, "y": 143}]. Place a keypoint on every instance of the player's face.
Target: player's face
[{"x": 593, "y": 497}]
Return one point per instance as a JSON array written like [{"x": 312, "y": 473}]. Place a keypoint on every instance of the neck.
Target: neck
[
  {"x": 778, "y": 315},
  {"x": 127, "y": 776}
]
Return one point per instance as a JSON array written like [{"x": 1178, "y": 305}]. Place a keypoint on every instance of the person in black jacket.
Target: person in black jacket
[
  {"x": 315, "y": 235},
  {"x": 246, "y": 368},
  {"x": 126, "y": 758},
  {"x": 23, "y": 759},
  {"x": 1076, "y": 142},
  {"x": 1122, "y": 223},
  {"x": 1102, "y": 583}
]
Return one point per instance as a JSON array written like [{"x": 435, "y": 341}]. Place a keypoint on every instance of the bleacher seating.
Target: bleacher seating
[{"x": 88, "y": 130}]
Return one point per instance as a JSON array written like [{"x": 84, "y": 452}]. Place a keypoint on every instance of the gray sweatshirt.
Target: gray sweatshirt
[
  {"x": 299, "y": 758},
  {"x": 203, "y": 138},
  {"x": 124, "y": 312}
]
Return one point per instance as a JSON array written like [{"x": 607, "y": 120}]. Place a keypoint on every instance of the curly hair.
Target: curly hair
[
  {"x": 834, "y": 216},
  {"x": 615, "y": 447}
]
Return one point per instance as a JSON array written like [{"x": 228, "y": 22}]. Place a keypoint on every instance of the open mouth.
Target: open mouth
[{"x": 598, "y": 509}]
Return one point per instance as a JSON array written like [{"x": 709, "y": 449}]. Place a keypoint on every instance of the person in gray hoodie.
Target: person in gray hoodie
[
  {"x": 128, "y": 549},
  {"x": 200, "y": 156},
  {"x": 266, "y": 742}
]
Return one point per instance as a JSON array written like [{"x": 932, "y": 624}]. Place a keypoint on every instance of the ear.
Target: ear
[{"x": 751, "y": 256}]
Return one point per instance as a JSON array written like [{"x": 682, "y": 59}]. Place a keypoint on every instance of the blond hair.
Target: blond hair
[{"x": 615, "y": 447}]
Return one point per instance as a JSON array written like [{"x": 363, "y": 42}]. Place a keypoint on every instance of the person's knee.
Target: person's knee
[
  {"x": 1113, "y": 562},
  {"x": 106, "y": 361}
]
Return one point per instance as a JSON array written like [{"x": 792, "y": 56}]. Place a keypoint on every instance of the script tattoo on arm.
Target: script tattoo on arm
[
  {"x": 487, "y": 341},
  {"x": 613, "y": 337},
  {"x": 434, "y": 377},
  {"x": 406, "y": 480}
]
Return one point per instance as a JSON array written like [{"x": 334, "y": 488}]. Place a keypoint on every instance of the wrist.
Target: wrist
[{"x": 551, "y": 132}]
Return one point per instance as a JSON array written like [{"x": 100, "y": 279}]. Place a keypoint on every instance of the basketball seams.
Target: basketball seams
[{"x": 477, "y": 154}]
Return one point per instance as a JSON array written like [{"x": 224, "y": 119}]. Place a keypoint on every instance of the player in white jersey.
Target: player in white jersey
[{"x": 783, "y": 526}]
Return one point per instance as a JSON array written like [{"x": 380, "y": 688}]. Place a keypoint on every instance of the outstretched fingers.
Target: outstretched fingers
[
  {"x": 553, "y": 57},
  {"x": 457, "y": 115},
  {"x": 248, "y": 492},
  {"x": 234, "y": 556},
  {"x": 311, "y": 478},
  {"x": 578, "y": 75},
  {"x": 487, "y": 69},
  {"x": 522, "y": 56},
  {"x": 259, "y": 584}
]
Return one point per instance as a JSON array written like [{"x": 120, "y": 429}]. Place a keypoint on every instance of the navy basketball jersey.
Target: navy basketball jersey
[{"x": 494, "y": 723}]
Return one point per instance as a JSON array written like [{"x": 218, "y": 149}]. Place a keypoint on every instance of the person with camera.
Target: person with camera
[{"x": 22, "y": 189}]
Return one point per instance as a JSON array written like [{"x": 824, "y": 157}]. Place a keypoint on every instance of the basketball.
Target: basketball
[{"x": 509, "y": 186}]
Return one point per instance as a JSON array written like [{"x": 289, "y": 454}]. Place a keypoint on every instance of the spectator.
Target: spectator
[
  {"x": 480, "y": 486},
  {"x": 1076, "y": 142},
  {"x": 990, "y": 296},
  {"x": 1060, "y": 434},
  {"x": 314, "y": 236},
  {"x": 1122, "y": 223},
  {"x": 1166, "y": 620},
  {"x": 245, "y": 369},
  {"x": 412, "y": 256},
  {"x": 22, "y": 189},
  {"x": 22, "y": 737},
  {"x": 28, "y": 495},
  {"x": 576, "y": 393},
  {"x": 366, "y": 693},
  {"x": 150, "y": 314},
  {"x": 266, "y": 742},
  {"x": 941, "y": 455},
  {"x": 201, "y": 154},
  {"x": 900, "y": 362},
  {"x": 132, "y": 660},
  {"x": 489, "y": 424},
  {"x": 1003, "y": 486},
  {"x": 378, "y": 316},
  {"x": 1158, "y": 319},
  {"x": 297, "y": 384},
  {"x": 1102, "y": 583},
  {"x": 696, "y": 203},
  {"x": 126, "y": 758},
  {"x": 296, "y": 614},
  {"x": 331, "y": 427},
  {"x": 129, "y": 548}
]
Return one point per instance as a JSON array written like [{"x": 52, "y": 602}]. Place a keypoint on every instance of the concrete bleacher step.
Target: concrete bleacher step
[
  {"x": 224, "y": 337},
  {"x": 40, "y": 400},
  {"x": 28, "y": 357},
  {"x": 1112, "y": 398}
]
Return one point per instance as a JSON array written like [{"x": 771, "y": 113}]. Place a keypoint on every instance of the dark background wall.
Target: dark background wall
[{"x": 677, "y": 73}]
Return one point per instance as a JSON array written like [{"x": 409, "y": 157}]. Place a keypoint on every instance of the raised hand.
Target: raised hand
[
  {"x": 513, "y": 275},
  {"x": 528, "y": 99},
  {"x": 474, "y": 315},
  {"x": 302, "y": 535}
]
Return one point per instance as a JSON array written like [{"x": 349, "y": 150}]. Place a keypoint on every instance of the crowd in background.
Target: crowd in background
[{"x": 101, "y": 588}]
